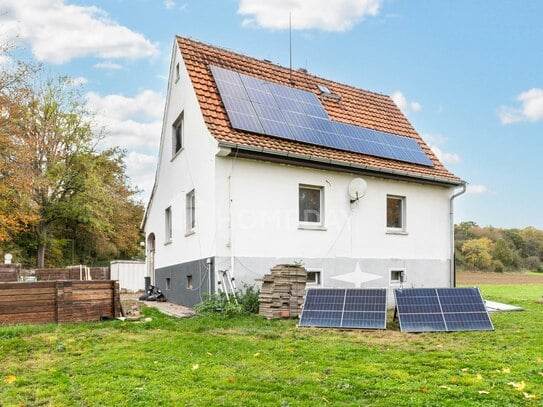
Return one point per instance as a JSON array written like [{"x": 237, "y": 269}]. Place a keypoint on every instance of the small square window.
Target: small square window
[
  {"x": 177, "y": 134},
  {"x": 396, "y": 213},
  {"x": 397, "y": 276},
  {"x": 191, "y": 212},
  {"x": 168, "y": 282},
  {"x": 310, "y": 207},
  {"x": 313, "y": 278},
  {"x": 168, "y": 224},
  {"x": 189, "y": 282}
]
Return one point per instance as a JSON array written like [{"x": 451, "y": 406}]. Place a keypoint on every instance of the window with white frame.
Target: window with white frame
[
  {"x": 397, "y": 276},
  {"x": 313, "y": 277},
  {"x": 396, "y": 213},
  {"x": 191, "y": 211},
  {"x": 311, "y": 205},
  {"x": 177, "y": 134},
  {"x": 168, "y": 224}
]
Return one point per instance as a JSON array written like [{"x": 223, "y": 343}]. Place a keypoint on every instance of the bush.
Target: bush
[
  {"x": 532, "y": 263},
  {"x": 498, "y": 266},
  {"x": 248, "y": 303},
  {"x": 249, "y": 299}
]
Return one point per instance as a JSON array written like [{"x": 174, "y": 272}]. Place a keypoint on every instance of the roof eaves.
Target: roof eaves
[{"x": 343, "y": 164}]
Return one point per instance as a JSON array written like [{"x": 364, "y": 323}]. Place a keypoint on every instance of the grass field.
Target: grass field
[{"x": 247, "y": 361}]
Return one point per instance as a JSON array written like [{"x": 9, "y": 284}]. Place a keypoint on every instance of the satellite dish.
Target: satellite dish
[{"x": 357, "y": 189}]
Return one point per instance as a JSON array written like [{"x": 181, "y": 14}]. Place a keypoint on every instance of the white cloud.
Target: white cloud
[
  {"x": 436, "y": 141},
  {"x": 531, "y": 108},
  {"x": 79, "y": 81},
  {"x": 108, "y": 65},
  {"x": 403, "y": 104},
  {"x": 134, "y": 124},
  {"x": 169, "y": 4},
  {"x": 5, "y": 61},
  {"x": 58, "y": 32},
  {"x": 444, "y": 157},
  {"x": 130, "y": 123},
  {"x": 477, "y": 189},
  {"x": 141, "y": 170},
  {"x": 326, "y": 15}
]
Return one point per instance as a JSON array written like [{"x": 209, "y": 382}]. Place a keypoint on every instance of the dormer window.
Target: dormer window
[{"x": 177, "y": 134}]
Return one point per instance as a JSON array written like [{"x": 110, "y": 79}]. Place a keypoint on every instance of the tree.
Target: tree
[
  {"x": 16, "y": 208},
  {"x": 73, "y": 187},
  {"x": 502, "y": 253},
  {"x": 476, "y": 253}
]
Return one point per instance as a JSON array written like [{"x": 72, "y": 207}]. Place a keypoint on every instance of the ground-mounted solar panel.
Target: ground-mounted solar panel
[
  {"x": 441, "y": 309},
  {"x": 264, "y": 107},
  {"x": 345, "y": 308}
]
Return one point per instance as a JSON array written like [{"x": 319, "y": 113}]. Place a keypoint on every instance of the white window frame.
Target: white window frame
[
  {"x": 178, "y": 129},
  {"x": 396, "y": 270},
  {"x": 307, "y": 224},
  {"x": 318, "y": 273},
  {"x": 177, "y": 75},
  {"x": 190, "y": 218},
  {"x": 168, "y": 225},
  {"x": 403, "y": 215}
]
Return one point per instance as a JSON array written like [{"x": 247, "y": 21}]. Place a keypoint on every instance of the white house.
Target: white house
[{"x": 238, "y": 189}]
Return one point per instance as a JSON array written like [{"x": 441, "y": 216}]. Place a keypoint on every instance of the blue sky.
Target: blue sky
[{"x": 467, "y": 73}]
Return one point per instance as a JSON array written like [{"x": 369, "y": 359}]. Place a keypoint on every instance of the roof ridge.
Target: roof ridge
[{"x": 277, "y": 65}]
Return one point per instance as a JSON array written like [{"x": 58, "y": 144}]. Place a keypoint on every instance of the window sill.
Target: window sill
[
  {"x": 168, "y": 242},
  {"x": 312, "y": 227},
  {"x": 192, "y": 232},
  {"x": 396, "y": 232},
  {"x": 177, "y": 153}
]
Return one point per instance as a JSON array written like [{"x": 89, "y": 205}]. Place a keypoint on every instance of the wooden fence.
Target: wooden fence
[
  {"x": 96, "y": 273},
  {"x": 9, "y": 273},
  {"x": 58, "y": 301}
]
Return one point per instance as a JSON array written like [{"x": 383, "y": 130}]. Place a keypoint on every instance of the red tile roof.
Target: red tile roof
[{"x": 356, "y": 106}]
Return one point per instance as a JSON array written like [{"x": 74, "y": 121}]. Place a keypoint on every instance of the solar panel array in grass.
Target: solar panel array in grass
[
  {"x": 441, "y": 309},
  {"x": 345, "y": 308}
]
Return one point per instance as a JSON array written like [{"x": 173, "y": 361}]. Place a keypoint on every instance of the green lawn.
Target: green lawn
[{"x": 247, "y": 361}]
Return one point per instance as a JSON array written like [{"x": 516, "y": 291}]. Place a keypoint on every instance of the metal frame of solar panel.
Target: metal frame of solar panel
[
  {"x": 364, "y": 308},
  {"x": 441, "y": 309},
  {"x": 272, "y": 109}
]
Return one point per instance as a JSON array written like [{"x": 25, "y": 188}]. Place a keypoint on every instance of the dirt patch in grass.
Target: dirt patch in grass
[{"x": 474, "y": 278}]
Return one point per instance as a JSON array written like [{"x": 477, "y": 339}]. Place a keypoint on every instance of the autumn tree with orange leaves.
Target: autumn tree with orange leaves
[{"x": 58, "y": 189}]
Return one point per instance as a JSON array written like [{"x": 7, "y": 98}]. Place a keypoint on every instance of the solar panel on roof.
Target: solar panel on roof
[
  {"x": 344, "y": 308},
  {"x": 441, "y": 309},
  {"x": 298, "y": 115}
]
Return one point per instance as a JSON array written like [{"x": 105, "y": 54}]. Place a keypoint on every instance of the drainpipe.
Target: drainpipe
[
  {"x": 230, "y": 225},
  {"x": 452, "y": 270}
]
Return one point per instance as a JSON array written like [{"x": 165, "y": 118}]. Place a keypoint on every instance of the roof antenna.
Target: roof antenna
[{"x": 290, "y": 43}]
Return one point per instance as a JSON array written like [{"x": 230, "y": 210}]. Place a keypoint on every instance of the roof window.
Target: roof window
[{"x": 327, "y": 92}]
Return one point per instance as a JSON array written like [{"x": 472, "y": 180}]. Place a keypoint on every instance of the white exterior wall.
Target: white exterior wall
[
  {"x": 265, "y": 228},
  {"x": 191, "y": 168}
]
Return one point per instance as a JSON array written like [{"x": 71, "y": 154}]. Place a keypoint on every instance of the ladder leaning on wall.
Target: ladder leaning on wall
[{"x": 227, "y": 284}]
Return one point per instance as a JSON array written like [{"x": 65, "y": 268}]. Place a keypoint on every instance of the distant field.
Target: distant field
[
  {"x": 248, "y": 361},
  {"x": 466, "y": 277}
]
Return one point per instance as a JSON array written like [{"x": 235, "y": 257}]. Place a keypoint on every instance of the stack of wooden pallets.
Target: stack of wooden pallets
[{"x": 282, "y": 292}]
